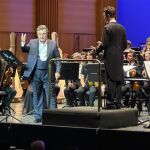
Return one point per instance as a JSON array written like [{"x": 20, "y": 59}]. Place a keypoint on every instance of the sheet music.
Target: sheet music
[
  {"x": 147, "y": 67},
  {"x": 127, "y": 68}
]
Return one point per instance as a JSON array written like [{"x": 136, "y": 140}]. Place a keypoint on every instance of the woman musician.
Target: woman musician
[{"x": 146, "y": 48}]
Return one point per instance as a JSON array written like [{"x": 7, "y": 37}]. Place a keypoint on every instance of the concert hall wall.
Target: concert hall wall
[
  {"x": 134, "y": 15},
  {"x": 78, "y": 22}
]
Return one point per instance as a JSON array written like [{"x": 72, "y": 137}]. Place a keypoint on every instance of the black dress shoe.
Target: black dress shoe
[
  {"x": 118, "y": 106},
  {"x": 112, "y": 106},
  {"x": 37, "y": 120}
]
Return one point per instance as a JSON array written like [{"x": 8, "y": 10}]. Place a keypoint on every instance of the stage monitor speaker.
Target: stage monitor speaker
[{"x": 89, "y": 117}]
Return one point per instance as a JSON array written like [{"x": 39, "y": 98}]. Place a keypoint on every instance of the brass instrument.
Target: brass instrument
[
  {"x": 136, "y": 86},
  {"x": 132, "y": 73}
]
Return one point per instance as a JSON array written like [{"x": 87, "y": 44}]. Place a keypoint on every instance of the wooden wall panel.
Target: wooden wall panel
[
  {"x": 67, "y": 43},
  {"x": 17, "y": 16},
  {"x": 4, "y": 40},
  {"x": 77, "y": 16},
  {"x": 82, "y": 18},
  {"x": 47, "y": 13},
  {"x": 72, "y": 42},
  {"x": 78, "y": 22},
  {"x": 87, "y": 40}
]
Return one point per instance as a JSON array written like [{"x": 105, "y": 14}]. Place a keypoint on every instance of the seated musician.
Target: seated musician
[
  {"x": 8, "y": 88},
  {"x": 147, "y": 47},
  {"x": 127, "y": 87},
  {"x": 129, "y": 44},
  {"x": 72, "y": 86},
  {"x": 144, "y": 91},
  {"x": 88, "y": 89}
]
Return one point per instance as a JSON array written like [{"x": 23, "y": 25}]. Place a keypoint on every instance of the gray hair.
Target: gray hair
[{"x": 41, "y": 27}]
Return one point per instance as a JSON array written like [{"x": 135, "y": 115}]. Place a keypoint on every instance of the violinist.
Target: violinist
[{"x": 127, "y": 87}]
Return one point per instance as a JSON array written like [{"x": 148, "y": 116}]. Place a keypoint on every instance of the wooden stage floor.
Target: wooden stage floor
[
  {"x": 21, "y": 133},
  {"x": 20, "y": 118}
]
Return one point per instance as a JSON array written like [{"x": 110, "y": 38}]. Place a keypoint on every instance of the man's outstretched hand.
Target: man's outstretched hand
[
  {"x": 99, "y": 43},
  {"x": 23, "y": 37}
]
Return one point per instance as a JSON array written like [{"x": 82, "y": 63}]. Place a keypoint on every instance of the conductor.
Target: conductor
[{"x": 113, "y": 42}]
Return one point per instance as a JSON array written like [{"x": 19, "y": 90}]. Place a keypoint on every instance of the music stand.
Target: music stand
[
  {"x": 12, "y": 61},
  {"x": 140, "y": 60},
  {"x": 96, "y": 73},
  {"x": 77, "y": 60},
  {"x": 93, "y": 74},
  {"x": 69, "y": 71},
  {"x": 10, "y": 58}
]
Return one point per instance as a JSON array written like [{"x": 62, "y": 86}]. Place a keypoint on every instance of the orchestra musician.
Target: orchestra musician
[
  {"x": 144, "y": 91},
  {"x": 127, "y": 86},
  {"x": 147, "y": 47},
  {"x": 146, "y": 86},
  {"x": 7, "y": 86},
  {"x": 72, "y": 85},
  {"x": 87, "y": 90},
  {"x": 131, "y": 89}
]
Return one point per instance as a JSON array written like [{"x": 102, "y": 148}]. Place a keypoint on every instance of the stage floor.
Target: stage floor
[{"x": 29, "y": 118}]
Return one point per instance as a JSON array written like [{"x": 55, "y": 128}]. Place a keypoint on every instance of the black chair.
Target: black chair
[{"x": 2, "y": 95}]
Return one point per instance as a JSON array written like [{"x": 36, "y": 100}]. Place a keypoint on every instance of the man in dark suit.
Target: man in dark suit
[
  {"x": 41, "y": 50},
  {"x": 113, "y": 43}
]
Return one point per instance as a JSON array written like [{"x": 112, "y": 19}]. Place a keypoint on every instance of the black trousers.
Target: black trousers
[{"x": 114, "y": 90}]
